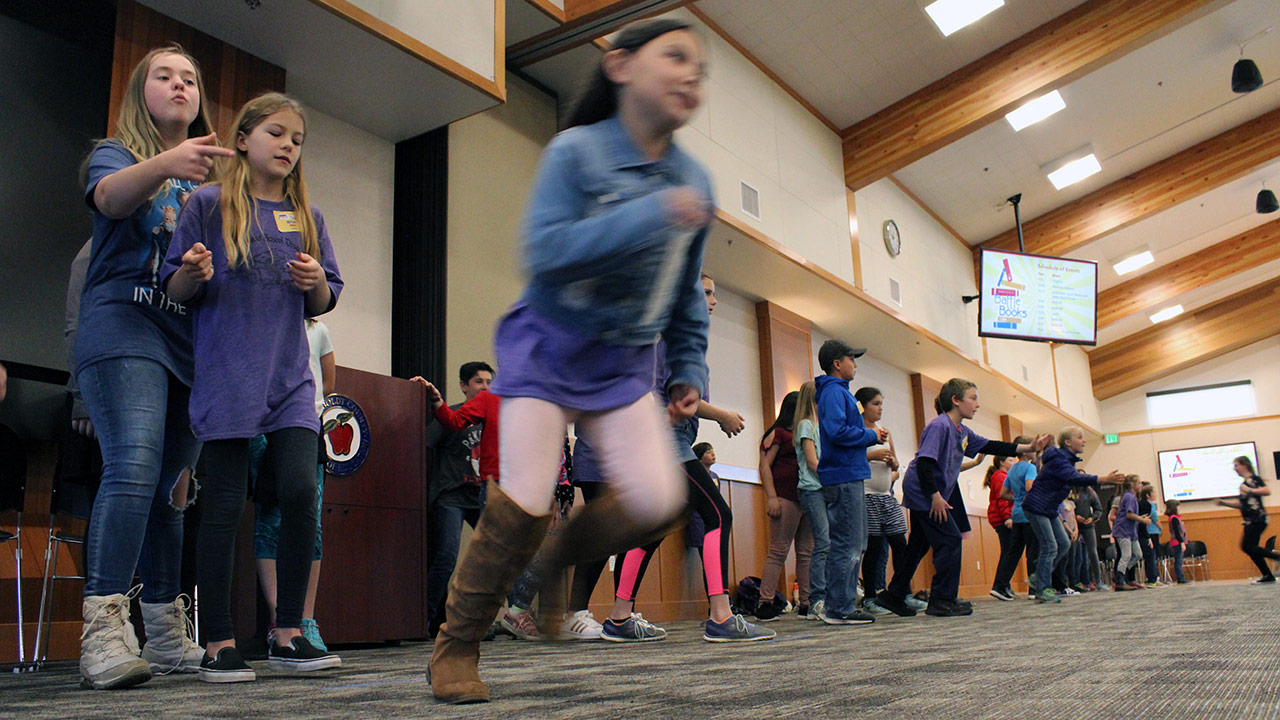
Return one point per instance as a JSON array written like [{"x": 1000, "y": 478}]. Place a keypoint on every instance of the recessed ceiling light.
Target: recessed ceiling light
[
  {"x": 951, "y": 15},
  {"x": 1036, "y": 110},
  {"x": 1133, "y": 262},
  {"x": 1165, "y": 314},
  {"x": 1072, "y": 168}
]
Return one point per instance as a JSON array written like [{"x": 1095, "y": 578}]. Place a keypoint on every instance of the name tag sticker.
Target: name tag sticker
[{"x": 286, "y": 221}]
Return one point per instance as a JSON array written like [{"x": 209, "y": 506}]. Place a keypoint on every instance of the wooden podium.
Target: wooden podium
[{"x": 373, "y": 580}]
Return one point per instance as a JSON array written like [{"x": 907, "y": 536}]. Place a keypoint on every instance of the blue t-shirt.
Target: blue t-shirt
[
  {"x": 947, "y": 444},
  {"x": 252, "y": 359},
  {"x": 123, "y": 311},
  {"x": 1016, "y": 481},
  {"x": 806, "y": 430}
]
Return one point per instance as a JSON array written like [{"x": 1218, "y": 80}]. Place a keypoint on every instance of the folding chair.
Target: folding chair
[{"x": 13, "y": 491}]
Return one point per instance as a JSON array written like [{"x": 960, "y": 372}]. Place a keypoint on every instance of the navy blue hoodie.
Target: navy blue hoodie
[
  {"x": 843, "y": 434},
  {"x": 1053, "y": 483}
]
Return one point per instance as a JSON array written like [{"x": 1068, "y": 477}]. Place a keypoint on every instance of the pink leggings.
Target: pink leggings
[{"x": 705, "y": 498}]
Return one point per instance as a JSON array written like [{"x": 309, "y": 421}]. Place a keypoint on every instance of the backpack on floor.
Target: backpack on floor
[{"x": 748, "y": 600}]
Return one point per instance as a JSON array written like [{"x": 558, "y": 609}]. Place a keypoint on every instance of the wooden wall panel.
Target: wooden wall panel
[
  {"x": 1176, "y": 179},
  {"x": 231, "y": 76},
  {"x": 924, "y": 390},
  {"x": 1148, "y": 291},
  {"x": 1048, "y": 57},
  {"x": 1010, "y": 428},
  {"x": 1195, "y": 337},
  {"x": 786, "y": 355}
]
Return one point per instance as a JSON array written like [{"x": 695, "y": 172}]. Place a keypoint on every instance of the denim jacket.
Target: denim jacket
[{"x": 601, "y": 256}]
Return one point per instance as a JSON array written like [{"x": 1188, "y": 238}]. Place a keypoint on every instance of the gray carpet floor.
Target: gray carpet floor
[{"x": 1203, "y": 651}]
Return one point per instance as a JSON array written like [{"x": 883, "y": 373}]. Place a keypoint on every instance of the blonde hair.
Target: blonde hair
[
  {"x": 806, "y": 405},
  {"x": 1065, "y": 434},
  {"x": 238, "y": 204},
  {"x": 135, "y": 128}
]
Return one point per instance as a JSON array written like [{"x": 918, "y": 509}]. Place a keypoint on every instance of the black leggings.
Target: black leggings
[
  {"x": 586, "y": 575},
  {"x": 1020, "y": 537},
  {"x": 291, "y": 454},
  {"x": 1251, "y": 547},
  {"x": 873, "y": 564},
  {"x": 705, "y": 499}
]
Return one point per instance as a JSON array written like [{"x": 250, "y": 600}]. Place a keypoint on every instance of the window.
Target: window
[{"x": 1188, "y": 406}]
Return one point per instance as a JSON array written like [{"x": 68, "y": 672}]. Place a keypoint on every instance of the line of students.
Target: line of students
[{"x": 191, "y": 333}]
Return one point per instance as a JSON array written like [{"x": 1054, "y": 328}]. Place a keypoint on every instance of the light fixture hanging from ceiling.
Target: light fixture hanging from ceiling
[
  {"x": 1266, "y": 202},
  {"x": 1245, "y": 75}
]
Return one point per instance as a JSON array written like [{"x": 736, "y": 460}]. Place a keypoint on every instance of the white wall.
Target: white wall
[
  {"x": 748, "y": 129},
  {"x": 1029, "y": 363},
  {"x": 463, "y": 30},
  {"x": 933, "y": 269},
  {"x": 1075, "y": 385},
  {"x": 492, "y": 160},
  {"x": 733, "y": 356},
  {"x": 351, "y": 174},
  {"x": 1136, "y": 452}
]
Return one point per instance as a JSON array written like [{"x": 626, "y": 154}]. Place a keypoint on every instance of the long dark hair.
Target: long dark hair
[
  {"x": 786, "y": 414},
  {"x": 993, "y": 468},
  {"x": 599, "y": 100}
]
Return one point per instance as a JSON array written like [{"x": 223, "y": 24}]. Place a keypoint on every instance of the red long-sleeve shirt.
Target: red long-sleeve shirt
[
  {"x": 998, "y": 509},
  {"x": 481, "y": 408}
]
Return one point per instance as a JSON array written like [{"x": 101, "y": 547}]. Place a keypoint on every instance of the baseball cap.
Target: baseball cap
[{"x": 833, "y": 350}]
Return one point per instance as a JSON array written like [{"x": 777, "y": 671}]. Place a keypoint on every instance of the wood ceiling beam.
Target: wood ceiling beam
[
  {"x": 1151, "y": 190},
  {"x": 1189, "y": 339},
  {"x": 1245, "y": 251},
  {"x": 585, "y": 21},
  {"x": 1059, "y": 51}
]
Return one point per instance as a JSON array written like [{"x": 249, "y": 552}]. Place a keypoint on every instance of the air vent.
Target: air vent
[
  {"x": 1026, "y": 376},
  {"x": 895, "y": 292},
  {"x": 750, "y": 201}
]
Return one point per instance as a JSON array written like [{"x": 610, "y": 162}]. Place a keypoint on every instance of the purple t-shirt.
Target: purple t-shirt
[
  {"x": 1123, "y": 527},
  {"x": 947, "y": 444},
  {"x": 252, "y": 360},
  {"x": 542, "y": 359}
]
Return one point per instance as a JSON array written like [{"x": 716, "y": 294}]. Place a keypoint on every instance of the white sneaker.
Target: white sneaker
[
  {"x": 108, "y": 646},
  {"x": 169, "y": 645},
  {"x": 1070, "y": 592},
  {"x": 580, "y": 625}
]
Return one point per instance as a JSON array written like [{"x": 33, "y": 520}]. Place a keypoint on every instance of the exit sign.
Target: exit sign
[{"x": 1110, "y": 439}]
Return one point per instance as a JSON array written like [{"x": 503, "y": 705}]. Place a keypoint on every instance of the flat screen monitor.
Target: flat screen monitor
[
  {"x": 1037, "y": 297},
  {"x": 1203, "y": 473}
]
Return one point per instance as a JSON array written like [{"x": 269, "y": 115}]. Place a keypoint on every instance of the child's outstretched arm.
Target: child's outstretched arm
[{"x": 117, "y": 195}]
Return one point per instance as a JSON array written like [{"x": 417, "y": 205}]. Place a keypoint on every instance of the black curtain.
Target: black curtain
[{"x": 419, "y": 272}]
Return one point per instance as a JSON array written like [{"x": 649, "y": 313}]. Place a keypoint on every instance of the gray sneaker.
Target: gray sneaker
[
  {"x": 853, "y": 617},
  {"x": 736, "y": 629},
  {"x": 817, "y": 610},
  {"x": 873, "y": 608},
  {"x": 633, "y": 629},
  {"x": 915, "y": 603}
]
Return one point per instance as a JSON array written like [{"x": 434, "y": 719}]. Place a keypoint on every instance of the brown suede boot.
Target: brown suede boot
[
  {"x": 504, "y": 540},
  {"x": 601, "y": 529}
]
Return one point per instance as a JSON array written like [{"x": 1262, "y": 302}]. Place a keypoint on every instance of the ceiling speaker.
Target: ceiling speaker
[
  {"x": 1245, "y": 76},
  {"x": 1267, "y": 202}
]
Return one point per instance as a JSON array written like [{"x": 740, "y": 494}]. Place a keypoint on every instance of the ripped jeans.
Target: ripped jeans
[{"x": 139, "y": 412}]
